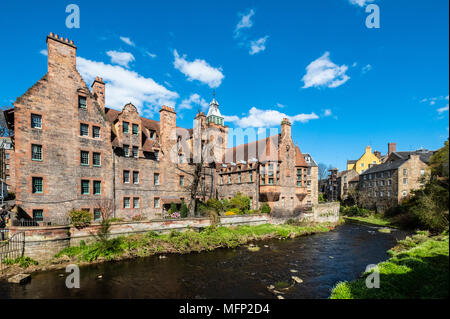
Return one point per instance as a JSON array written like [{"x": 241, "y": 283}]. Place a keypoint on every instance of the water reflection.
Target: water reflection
[{"x": 320, "y": 260}]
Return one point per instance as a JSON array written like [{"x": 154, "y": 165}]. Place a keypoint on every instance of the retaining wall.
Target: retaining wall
[{"x": 42, "y": 243}]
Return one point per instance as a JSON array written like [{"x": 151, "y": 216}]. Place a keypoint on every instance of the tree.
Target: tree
[{"x": 323, "y": 172}]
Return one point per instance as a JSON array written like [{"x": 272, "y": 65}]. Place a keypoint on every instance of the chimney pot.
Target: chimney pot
[{"x": 51, "y": 34}]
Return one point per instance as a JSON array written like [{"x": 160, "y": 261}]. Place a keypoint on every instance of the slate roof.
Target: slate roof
[{"x": 396, "y": 159}]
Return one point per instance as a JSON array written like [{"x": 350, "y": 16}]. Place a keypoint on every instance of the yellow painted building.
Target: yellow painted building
[{"x": 367, "y": 160}]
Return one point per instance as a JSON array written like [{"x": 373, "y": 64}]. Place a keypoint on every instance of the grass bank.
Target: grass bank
[
  {"x": 211, "y": 238},
  {"x": 377, "y": 220},
  {"x": 418, "y": 268}
]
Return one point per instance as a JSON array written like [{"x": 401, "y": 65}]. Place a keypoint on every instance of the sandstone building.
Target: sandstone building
[
  {"x": 73, "y": 152},
  {"x": 386, "y": 185}
]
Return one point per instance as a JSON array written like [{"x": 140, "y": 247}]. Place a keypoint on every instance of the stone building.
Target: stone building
[
  {"x": 7, "y": 164},
  {"x": 272, "y": 171},
  {"x": 345, "y": 182},
  {"x": 73, "y": 152},
  {"x": 387, "y": 184}
]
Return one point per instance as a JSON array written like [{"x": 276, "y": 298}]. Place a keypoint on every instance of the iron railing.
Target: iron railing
[
  {"x": 12, "y": 249},
  {"x": 33, "y": 222}
]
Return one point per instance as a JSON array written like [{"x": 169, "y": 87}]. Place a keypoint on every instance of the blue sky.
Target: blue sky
[{"x": 343, "y": 85}]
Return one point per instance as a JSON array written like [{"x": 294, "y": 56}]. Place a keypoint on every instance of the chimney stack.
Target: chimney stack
[
  {"x": 61, "y": 54},
  {"x": 392, "y": 147},
  {"x": 98, "y": 89},
  {"x": 285, "y": 128}
]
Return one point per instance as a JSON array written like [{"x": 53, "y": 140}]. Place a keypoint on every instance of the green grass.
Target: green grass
[
  {"x": 183, "y": 242},
  {"x": 418, "y": 269},
  {"x": 372, "y": 219},
  {"x": 23, "y": 262}
]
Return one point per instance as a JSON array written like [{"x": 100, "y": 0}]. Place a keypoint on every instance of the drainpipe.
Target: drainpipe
[{"x": 114, "y": 182}]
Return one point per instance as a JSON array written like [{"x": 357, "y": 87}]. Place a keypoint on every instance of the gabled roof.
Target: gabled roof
[
  {"x": 263, "y": 150},
  {"x": 311, "y": 162},
  {"x": 299, "y": 158},
  {"x": 397, "y": 159}
]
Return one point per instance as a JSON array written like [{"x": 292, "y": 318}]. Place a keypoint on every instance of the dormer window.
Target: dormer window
[{"x": 82, "y": 102}]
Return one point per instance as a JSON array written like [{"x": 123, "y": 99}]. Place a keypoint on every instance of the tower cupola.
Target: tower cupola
[{"x": 214, "y": 115}]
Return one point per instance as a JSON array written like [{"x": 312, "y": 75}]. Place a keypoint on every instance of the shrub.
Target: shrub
[
  {"x": 173, "y": 208},
  {"x": 175, "y": 215},
  {"x": 241, "y": 202},
  {"x": 116, "y": 220},
  {"x": 226, "y": 204},
  {"x": 321, "y": 198},
  {"x": 80, "y": 218},
  {"x": 22, "y": 261},
  {"x": 215, "y": 205},
  {"x": 184, "y": 211},
  {"x": 265, "y": 209},
  {"x": 230, "y": 213},
  {"x": 236, "y": 211},
  {"x": 137, "y": 217}
]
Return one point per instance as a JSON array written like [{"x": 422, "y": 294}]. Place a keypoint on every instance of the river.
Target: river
[{"x": 320, "y": 260}]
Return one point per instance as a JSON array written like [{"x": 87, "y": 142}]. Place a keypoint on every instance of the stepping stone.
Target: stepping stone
[{"x": 19, "y": 279}]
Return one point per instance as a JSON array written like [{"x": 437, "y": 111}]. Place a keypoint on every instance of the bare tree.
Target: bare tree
[
  {"x": 106, "y": 210},
  {"x": 323, "y": 171}
]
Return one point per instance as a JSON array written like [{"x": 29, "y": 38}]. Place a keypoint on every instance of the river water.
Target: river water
[{"x": 320, "y": 260}]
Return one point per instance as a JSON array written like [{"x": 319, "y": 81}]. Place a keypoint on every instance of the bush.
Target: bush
[
  {"x": 215, "y": 205},
  {"x": 80, "y": 218},
  {"x": 355, "y": 211},
  {"x": 137, "y": 218},
  {"x": 116, "y": 220},
  {"x": 184, "y": 211},
  {"x": 236, "y": 211},
  {"x": 22, "y": 261},
  {"x": 241, "y": 202},
  {"x": 230, "y": 213},
  {"x": 265, "y": 209},
  {"x": 226, "y": 204},
  {"x": 321, "y": 198}
]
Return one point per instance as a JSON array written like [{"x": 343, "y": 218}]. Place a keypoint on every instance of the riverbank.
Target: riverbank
[
  {"x": 418, "y": 268},
  {"x": 151, "y": 243},
  {"x": 372, "y": 220}
]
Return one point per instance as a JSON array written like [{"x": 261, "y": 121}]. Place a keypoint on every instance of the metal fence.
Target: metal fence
[
  {"x": 4, "y": 234},
  {"x": 32, "y": 222},
  {"x": 12, "y": 249}
]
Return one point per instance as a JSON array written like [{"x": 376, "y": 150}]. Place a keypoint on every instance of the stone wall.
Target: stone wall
[
  {"x": 42, "y": 243},
  {"x": 323, "y": 213}
]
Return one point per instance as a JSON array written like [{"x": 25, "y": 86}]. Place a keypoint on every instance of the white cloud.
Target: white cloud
[
  {"x": 44, "y": 52},
  {"x": 258, "y": 45},
  {"x": 327, "y": 112},
  {"x": 121, "y": 58},
  {"x": 367, "y": 68},
  {"x": 280, "y": 105},
  {"x": 152, "y": 55},
  {"x": 323, "y": 72},
  {"x": 198, "y": 70},
  {"x": 127, "y": 41},
  {"x": 245, "y": 22},
  {"x": 267, "y": 118},
  {"x": 194, "y": 99},
  {"x": 361, "y": 3},
  {"x": 443, "y": 109},
  {"x": 124, "y": 86},
  {"x": 432, "y": 100}
]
